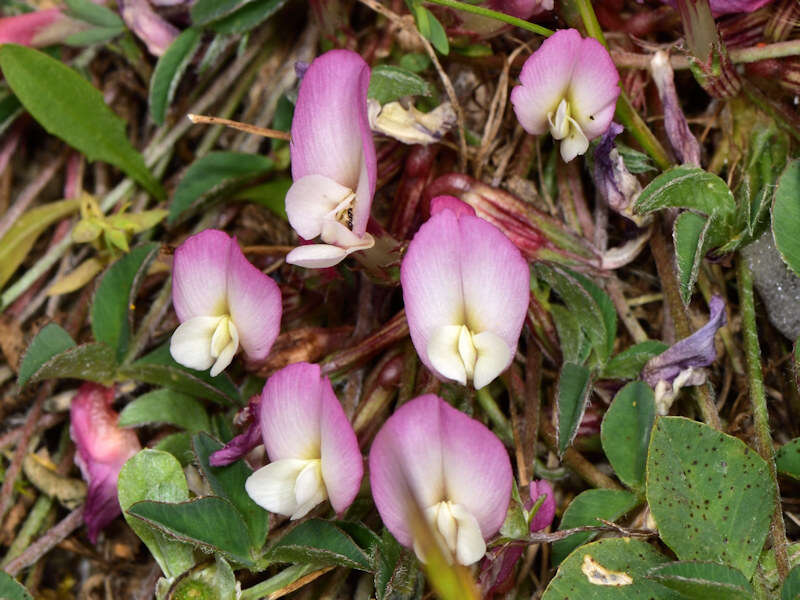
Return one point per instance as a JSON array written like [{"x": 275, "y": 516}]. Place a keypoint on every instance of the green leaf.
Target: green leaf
[
  {"x": 786, "y": 216},
  {"x": 248, "y": 17},
  {"x": 592, "y": 313},
  {"x": 51, "y": 341},
  {"x": 91, "y": 362},
  {"x": 206, "y": 11},
  {"x": 210, "y": 175},
  {"x": 169, "y": 70},
  {"x": 574, "y": 387},
  {"x": 158, "y": 476},
  {"x": 179, "y": 445},
  {"x": 20, "y": 238},
  {"x": 10, "y": 109},
  {"x": 271, "y": 195},
  {"x": 70, "y": 108},
  {"x": 112, "y": 309},
  {"x": 611, "y": 569},
  {"x": 95, "y": 14},
  {"x": 575, "y": 347},
  {"x": 95, "y": 35},
  {"x": 625, "y": 432},
  {"x": 787, "y": 458},
  {"x": 585, "y": 509},
  {"x": 389, "y": 83},
  {"x": 630, "y": 362},
  {"x": 11, "y": 589},
  {"x": 791, "y": 585},
  {"x": 159, "y": 368},
  {"x": 709, "y": 494},
  {"x": 703, "y": 580},
  {"x": 687, "y": 187},
  {"x": 435, "y": 32},
  {"x": 321, "y": 542},
  {"x": 210, "y": 522},
  {"x": 396, "y": 571},
  {"x": 691, "y": 244},
  {"x": 165, "y": 406},
  {"x": 228, "y": 482},
  {"x": 215, "y": 582}
]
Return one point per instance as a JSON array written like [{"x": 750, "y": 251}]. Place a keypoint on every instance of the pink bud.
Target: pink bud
[
  {"x": 38, "y": 28},
  {"x": 544, "y": 516},
  {"x": 102, "y": 450}
]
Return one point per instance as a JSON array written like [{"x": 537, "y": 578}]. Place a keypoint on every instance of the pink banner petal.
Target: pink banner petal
[{"x": 199, "y": 275}]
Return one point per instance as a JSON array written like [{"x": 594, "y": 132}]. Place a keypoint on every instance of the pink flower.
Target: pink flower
[
  {"x": 466, "y": 289},
  {"x": 547, "y": 511},
  {"x": 569, "y": 86},
  {"x": 102, "y": 450},
  {"x": 148, "y": 25},
  {"x": 457, "y": 470},
  {"x": 222, "y": 301},
  {"x": 38, "y": 28},
  {"x": 333, "y": 161},
  {"x": 311, "y": 445}
]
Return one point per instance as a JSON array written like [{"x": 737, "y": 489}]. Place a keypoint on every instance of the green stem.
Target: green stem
[
  {"x": 493, "y": 14},
  {"x": 496, "y": 416},
  {"x": 283, "y": 579},
  {"x": 758, "y": 400},
  {"x": 755, "y": 53}
]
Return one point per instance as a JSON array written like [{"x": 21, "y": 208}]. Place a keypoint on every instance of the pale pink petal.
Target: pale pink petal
[
  {"x": 476, "y": 468},
  {"x": 431, "y": 278},
  {"x": 148, "y": 25},
  {"x": 342, "y": 465},
  {"x": 406, "y": 458},
  {"x": 545, "y": 79},
  {"x": 495, "y": 279},
  {"x": 594, "y": 89},
  {"x": 290, "y": 413},
  {"x": 38, "y": 28},
  {"x": 317, "y": 256},
  {"x": 309, "y": 201},
  {"x": 254, "y": 301},
  {"x": 199, "y": 275},
  {"x": 102, "y": 449},
  {"x": 451, "y": 203},
  {"x": 330, "y": 128}
]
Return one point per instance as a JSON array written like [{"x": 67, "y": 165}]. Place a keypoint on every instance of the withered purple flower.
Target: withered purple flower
[{"x": 681, "y": 364}]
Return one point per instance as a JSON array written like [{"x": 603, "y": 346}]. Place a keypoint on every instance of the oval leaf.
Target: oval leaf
[
  {"x": 791, "y": 585},
  {"x": 113, "y": 304},
  {"x": 388, "y": 83},
  {"x": 165, "y": 406},
  {"x": 611, "y": 569},
  {"x": 90, "y": 362},
  {"x": 228, "y": 482},
  {"x": 687, "y": 187},
  {"x": 702, "y": 580},
  {"x": 70, "y": 108},
  {"x": 786, "y": 216},
  {"x": 168, "y": 72},
  {"x": 787, "y": 458},
  {"x": 51, "y": 341},
  {"x": 210, "y": 522},
  {"x": 625, "y": 432},
  {"x": 11, "y": 589},
  {"x": 630, "y": 362},
  {"x": 322, "y": 543},
  {"x": 211, "y": 173},
  {"x": 709, "y": 494},
  {"x": 155, "y": 475},
  {"x": 574, "y": 386},
  {"x": 585, "y": 509}
]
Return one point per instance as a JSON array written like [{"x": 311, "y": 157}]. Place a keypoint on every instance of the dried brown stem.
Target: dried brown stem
[
  {"x": 255, "y": 130},
  {"x": 46, "y": 543}
]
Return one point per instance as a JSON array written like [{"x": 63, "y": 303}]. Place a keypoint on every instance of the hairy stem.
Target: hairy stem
[{"x": 758, "y": 401}]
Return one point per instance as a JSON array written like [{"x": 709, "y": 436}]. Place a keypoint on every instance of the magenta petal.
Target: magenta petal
[
  {"x": 238, "y": 447},
  {"x": 199, "y": 275},
  {"x": 330, "y": 128},
  {"x": 451, "y": 203},
  {"x": 148, "y": 25},
  {"x": 545, "y": 79},
  {"x": 290, "y": 412},
  {"x": 406, "y": 458},
  {"x": 475, "y": 467},
  {"x": 342, "y": 465},
  {"x": 102, "y": 449},
  {"x": 431, "y": 278},
  {"x": 495, "y": 281},
  {"x": 594, "y": 88},
  {"x": 254, "y": 301},
  {"x": 38, "y": 28},
  {"x": 547, "y": 511}
]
